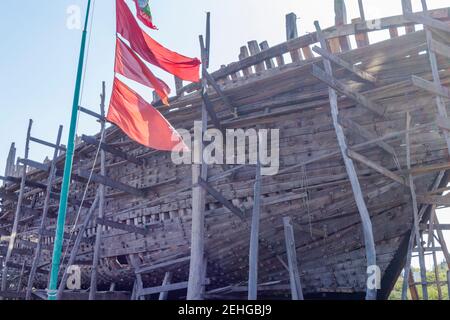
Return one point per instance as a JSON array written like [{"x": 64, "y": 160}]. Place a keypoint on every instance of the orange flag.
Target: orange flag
[
  {"x": 132, "y": 67},
  {"x": 141, "y": 121}
]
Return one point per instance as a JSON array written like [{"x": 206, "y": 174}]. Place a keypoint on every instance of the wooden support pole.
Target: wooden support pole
[
  {"x": 196, "y": 280},
  {"x": 254, "y": 50},
  {"x": 269, "y": 62},
  {"x": 101, "y": 206},
  {"x": 291, "y": 250},
  {"x": 340, "y": 11},
  {"x": 38, "y": 250},
  {"x": 407, "y": 9},
  {"x": 371, "y": 293},
  {"x": 436, "y": 268},
  {"x": 292, "y": 33},
  {"x": 254, "y": 238},
  {"x": 139, "y": 287},
  {"x": 167, "y": 279},
  {"x": 9, "y": 170},
  {"x": 12, "y": 238},
  {"x": 362, "y": 14},
  {"x": 415, "y": 212},
  {"x": 76, "y": 246}
]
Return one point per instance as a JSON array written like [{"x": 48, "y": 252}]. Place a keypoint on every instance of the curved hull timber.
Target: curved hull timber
[{"x": 312, "y": 186}]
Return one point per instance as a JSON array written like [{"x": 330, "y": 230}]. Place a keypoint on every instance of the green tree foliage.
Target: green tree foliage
[{"x": 396, "y": 293}]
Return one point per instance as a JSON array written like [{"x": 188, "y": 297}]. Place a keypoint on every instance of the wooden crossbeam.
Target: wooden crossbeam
[
  {"x": 147, "y": 269},
  {"x": 380, "y": 169},
  {"x": 440, "y": 48},
  {"x": 92, "y": 113},
  {"x": 111, "y": 183},
  {"x": 28, "y": 183},
  {"x": 51, "y": 233},
  {"x": 47, "y": 144},
  {"x": 211, "y": 112},
  {"x": 434, "y": 200},
  {"x": 37, "y": 165},
  {"x": 435, "y": 227},
  {"x": 431, "y": 87},
  {"x": 428, "y": 169},
  {"x": 346, "y": 65},
  {"x": 427, "y": 21},
  {"x": 219, "y": 91},
  {"x": 364, "y": 133},
  {"x": 18, "y": 266},
  {"x": 123, "y": 226},
  {"x": 349, "y": 92},
  {"x": 166, "y": 288},
  {"x": 218, "y": 196},
  {"x": 112, "y": 150},
  {"x": 16, "y": 251}
]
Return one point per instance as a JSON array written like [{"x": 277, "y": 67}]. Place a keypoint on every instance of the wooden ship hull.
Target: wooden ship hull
[{"x": 148, "y": 208}]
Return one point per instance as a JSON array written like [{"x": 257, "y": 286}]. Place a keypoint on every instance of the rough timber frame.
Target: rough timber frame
[{"x": 216, "y": 89}]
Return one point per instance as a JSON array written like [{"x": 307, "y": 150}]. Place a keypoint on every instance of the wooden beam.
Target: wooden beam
[
  {"x": 28, "y": 183},
  {"x": 344, "y": 64},
  {"x": 147, "y": 269},
  {"x": 37, "y": 165},
  {"x": 218, "y": 90},
  {"x": 292, "y": 33},
  {"x": 112, "y": 150},
  {"x": 123, "y": 226},
  {"x": 12, "y": 238},
  {"x": 366, "y": 134},
  {"x": 431, "y": 87},
  {"x": 349, "y": 92},
  {"x": 427, "y": 21},
  {"x": 291, "y": 250},
  {"x": 255, "y": 49},
  {"x": 254, "y": 238},
  {"x": 371, "y": 293},
  {"x": 218, "y": 196},
  {"x": 440, "y": 48},
  {"x": 269, "y": 62},
  {"x": 380, "y": 169},
  {"x": 340, "y": 12},
  {"x": 428, "y": 169},
  {"x": 92, "y": 114},
  {"x": 167, "y": 279},
  {"x": 211, "y": 112},
  {"x": 434, "y": 200},
  {"x": 110, "y": 183}
]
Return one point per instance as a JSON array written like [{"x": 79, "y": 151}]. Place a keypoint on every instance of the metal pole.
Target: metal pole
[
  {"x": 59, "y": 235},
  {"x": 254, "y": 238}
]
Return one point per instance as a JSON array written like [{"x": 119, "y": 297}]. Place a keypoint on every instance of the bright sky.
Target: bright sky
[{"x": 39, "y": 53}]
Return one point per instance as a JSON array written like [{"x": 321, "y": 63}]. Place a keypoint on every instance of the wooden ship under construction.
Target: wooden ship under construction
[{"x": 362, "y": 126}]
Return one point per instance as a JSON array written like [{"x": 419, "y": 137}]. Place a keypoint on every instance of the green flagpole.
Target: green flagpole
[{"x": 59, "y": 236}]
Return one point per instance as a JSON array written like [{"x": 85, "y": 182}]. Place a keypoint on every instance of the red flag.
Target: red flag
[
  {"x": 145, "y": 15},
  {"x": 183, "y": 67},
  {"x": 141, "y": 121},
  {"x": 131, "y": 66}
]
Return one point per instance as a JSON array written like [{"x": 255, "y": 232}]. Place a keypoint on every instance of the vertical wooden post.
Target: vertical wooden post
[
  {"x": 178, "y": 85},
  {"x": 292, "y": 33},
  {"x": 340, "y": 11},
  {"x": 415, "y": 211},
  {"x": 9, "y": 170},
  {"x": 196, "y": 280},
  {"x": 371, "y": 293},
  {"x": 101, "y": 209},
  {"x": 12, "y": 238},
  {"x": 294, "y": 274},
  {"x": 362, "y": 38},
  {"x": 139, "y": 284},
  {"x": 436, "y": 266},
  {"x": 254, "y": 49},
  {"x": 166, "y": 281},
  {"x": 42, "y": 227},
  {"x": 76, "y": 245},
  {"x": 242, "y": 55},
  {"x": 362, "y": 14},
  {"x": 254, "y": 238},
  {"x": 269, "y": 62},
  {"x": 407, "y": 7}
]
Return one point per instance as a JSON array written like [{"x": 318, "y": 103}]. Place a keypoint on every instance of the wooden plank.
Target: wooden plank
[
  {"x": 134, "y": 259},
  {"x": 47, "y": 144},
  {"x": 101, "y": 203},
  {"x": 219, "y": 91},
  {"x": 431, "y": 87},
  {"x": 110, "y": 183},
  {"x": 344, "y": 64},
  {"x": 40, "y": 166},
  {"x": 434, "y": 200},
  {"x": 362, "y": 38},
  {"x": 428, "y": 169},
  {"x": 380, "y": 169},
  {"x": 254, "y": 238},
  {"x": 416, "y": 216},
  {"x": 92, "y": 114},
  {"x": 255, "y": 49},
  {"x": 219, "y": 197},
  {"x": 28, "y": 183},
  {"x": 269, "y": 62},
  {"x": 340, "y": 12},
  {"x": 164, "y": 288},
  {"x": 291, "y": 250},
  {"x": 427, "y": 21},
  {"x": 167, "y": 279},
  {"x": 407, "y": 8},
  {"x": 112, "y": 150},
  {"x": 366, "y": 134},
  {"x": 371, "y": 294},
  {"x": 12, "y": 238},
  {"x": 292, "y": 33},
  {"x": 39, "y": 245},
  {"x": 440, "y": 48},
  {"x": 344, "y": 89},
  {"x": 211, "y": 112},
  {"x": 147, "y": 269},
  {"x": 123, "y": 226}
]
